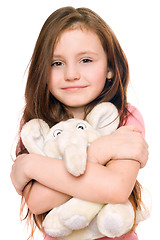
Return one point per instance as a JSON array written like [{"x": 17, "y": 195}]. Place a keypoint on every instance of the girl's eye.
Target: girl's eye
[
  {"x": 57, "y": 132},
  {"x": 86, "y": 60},
  {"x": 81, "y": 126},
  {"x": 57, "y": 64}
]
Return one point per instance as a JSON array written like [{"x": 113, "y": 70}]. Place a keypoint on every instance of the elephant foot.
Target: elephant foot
[
  {"x": 114, "y": 220},
  {"x": 111, "y": 224},
  {"x": 77, "y": 214}
]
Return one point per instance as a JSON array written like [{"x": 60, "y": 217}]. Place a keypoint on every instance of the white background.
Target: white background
[{"x": 136, "y": 24}]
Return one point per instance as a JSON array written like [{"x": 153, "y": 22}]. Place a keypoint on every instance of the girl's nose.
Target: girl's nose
[{"x": 72, "y": 73}]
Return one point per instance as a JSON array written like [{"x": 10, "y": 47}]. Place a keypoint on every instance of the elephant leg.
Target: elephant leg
[
  {"x": 77, "y": 214},
  {"x": 114, "y": 220},
  {"x": 53, "y": 226}
]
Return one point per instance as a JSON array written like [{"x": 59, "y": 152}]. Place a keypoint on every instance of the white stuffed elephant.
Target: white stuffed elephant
[{"x": 68, "y": 140}]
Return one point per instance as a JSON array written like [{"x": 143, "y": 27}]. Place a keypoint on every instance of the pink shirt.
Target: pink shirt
[
  {"x": 136, "y": 120},
  {"x": 129, "y": 236}
]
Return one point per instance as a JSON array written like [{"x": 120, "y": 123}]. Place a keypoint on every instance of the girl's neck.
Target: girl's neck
[{"x": 77, "y": 112}]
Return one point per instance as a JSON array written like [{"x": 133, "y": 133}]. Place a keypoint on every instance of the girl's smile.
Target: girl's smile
[
  {"x": 74, "y": 88},
  {"x": 79, "y": 68}
]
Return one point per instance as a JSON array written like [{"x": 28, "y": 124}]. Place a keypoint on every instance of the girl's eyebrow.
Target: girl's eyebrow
[
  {"x": 87, "y": 52},
  {"x": 78, "y": 54},
  {"x": 57, "y": 56}
]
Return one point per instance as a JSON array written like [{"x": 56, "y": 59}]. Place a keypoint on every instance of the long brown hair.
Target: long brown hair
[{"x": 40, "y": 103}]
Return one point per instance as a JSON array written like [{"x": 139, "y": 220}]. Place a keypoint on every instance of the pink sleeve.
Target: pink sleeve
[
  {"x": 135, "y": 119},
  {"x": 46, "y": 237}
]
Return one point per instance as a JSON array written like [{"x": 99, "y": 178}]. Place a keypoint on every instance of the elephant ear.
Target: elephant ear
[
  {"x": 104, "y": 118},
  {"x": 33, "y": 135}
]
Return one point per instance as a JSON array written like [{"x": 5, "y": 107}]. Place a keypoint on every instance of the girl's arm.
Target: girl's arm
[
  {"x": 114, "y": 174},
  {"x": 118, "y": 178},
  {"x": 40, "y": 198},
  {"x": 118, "y": 185}
]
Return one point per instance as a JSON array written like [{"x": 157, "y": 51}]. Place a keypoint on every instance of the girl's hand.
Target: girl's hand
[
  {"x": 126, "y": 143},
  {"x": 130, "y": 144},
  {"x": 18, "y": 174}
]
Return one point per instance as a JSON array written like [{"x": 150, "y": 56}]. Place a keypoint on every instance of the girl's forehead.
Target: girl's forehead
[{"x": 78, "y": 27}]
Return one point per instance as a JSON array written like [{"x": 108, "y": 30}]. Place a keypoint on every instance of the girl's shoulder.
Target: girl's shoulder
[{"x": 135, "y": 118}]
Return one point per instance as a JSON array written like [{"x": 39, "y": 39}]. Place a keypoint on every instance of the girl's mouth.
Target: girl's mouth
[{"x": 73, "y": 88}]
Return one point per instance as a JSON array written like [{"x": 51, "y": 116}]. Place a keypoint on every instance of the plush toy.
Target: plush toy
[{"x": 68, "y": 140}]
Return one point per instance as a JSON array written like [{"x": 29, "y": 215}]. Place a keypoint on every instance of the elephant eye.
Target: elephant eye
[
  {"x": 57, "y": 132},
  {"x": 81, "y": 126}
]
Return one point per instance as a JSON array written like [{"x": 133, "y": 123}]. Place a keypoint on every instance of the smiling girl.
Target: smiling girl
[
  {"x": 77, "y": 63},
  {"x": 79, "y": 69}
]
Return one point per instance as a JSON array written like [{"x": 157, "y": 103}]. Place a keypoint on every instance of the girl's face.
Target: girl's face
[{"x": 79, "y": 69}]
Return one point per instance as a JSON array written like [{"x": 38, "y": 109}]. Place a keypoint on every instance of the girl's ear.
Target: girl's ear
[
  {"x": 110, "y": 74},
  {"x": 33, "y": 135},
  {"x": 104, "y": 118}
]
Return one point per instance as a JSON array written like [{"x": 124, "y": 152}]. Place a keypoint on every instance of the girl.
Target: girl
[{"x": 77, "y": 63}]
